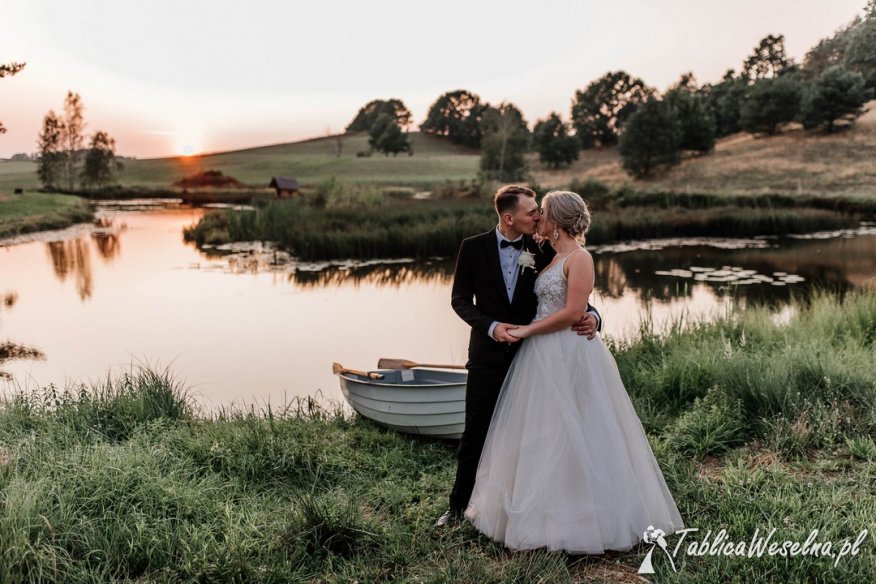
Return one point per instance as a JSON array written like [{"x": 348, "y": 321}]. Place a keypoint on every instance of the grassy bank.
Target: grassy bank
[
  {"x": 38, "y": 211},
  {"x": 756, "y": 425},
  {"x": 366, "y": 226}
]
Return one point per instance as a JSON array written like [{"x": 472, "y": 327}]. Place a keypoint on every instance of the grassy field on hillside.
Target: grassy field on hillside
[
  {"x": 434, "y": 161},
  {"x": 17, "y": 175},
  {"x": 794, "y": 162},
  {"x": 756, "y": 425}
]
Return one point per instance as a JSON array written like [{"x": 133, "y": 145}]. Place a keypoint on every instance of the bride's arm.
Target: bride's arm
[{"x": 580, "y": 285}]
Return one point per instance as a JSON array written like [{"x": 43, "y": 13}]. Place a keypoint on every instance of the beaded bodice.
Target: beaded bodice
[{"x": 550, "y": 288}]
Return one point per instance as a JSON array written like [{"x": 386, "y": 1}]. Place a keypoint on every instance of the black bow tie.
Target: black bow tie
[{"x": 515, "y": 244}]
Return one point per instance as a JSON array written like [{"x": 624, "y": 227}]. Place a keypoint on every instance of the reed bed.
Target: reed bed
[{"x": 345, "y": 221}]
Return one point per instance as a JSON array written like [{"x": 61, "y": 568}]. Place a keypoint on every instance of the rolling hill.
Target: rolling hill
[{"x": 796, "y": 161}]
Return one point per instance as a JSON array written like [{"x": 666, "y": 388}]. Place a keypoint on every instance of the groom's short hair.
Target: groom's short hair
[{"x": 506, "y": 197}]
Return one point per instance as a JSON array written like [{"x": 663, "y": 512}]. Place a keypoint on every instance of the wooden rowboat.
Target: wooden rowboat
[{"x": 421, "y": 401}]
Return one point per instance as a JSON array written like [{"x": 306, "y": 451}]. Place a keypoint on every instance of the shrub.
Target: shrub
[
  {"x": 771, "y": 103},
  {"x": 836, "y": 95},
  {"x": 651, "y": 138}
]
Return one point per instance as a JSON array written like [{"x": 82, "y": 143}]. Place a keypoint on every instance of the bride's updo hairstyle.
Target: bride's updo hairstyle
[{"x": 568, "y": 211}]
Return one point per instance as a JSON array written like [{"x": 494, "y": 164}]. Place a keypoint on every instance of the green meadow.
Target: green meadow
[
  {"x": 434, "y": 162},
  {"x": 35, "y": 211},
  {"x": 756, "y": 425}
]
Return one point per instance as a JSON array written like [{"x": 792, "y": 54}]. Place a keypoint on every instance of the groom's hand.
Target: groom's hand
[
  {"x": 586, "y": 326},
  {"x": 500, "y": 333}
]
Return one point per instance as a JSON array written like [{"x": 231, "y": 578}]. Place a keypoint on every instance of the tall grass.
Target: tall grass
[
  {"x": 806, "y": 385},
  {"x": 404, "y": 229},
  {"x": 127, "y": 481},
  {"x": 340, "y": 221}
]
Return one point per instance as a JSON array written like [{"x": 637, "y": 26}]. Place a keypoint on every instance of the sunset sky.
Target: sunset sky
[{"x": 168, "y": 77}]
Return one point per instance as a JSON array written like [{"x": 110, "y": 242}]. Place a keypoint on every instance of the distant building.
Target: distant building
[{"x": 286, "y": 187}]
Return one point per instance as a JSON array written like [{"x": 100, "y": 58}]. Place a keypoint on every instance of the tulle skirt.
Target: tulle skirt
[{"x": 566, "y": 464}]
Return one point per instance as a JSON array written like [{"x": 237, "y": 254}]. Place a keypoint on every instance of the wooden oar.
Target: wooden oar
[
  {"x": 385, "y": 363},
  {"x": 337, "y": 369}
]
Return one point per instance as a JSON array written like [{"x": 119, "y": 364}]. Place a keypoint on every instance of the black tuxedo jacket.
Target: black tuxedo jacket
[{"x": 479, "y": 296}]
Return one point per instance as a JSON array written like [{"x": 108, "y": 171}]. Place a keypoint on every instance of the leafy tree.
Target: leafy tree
[
  {"x": 504, "y": 143},
  {"x": 368, "y": 114},
  {"x": 724, "y": 101},
  {"x": 837, "y": 94},
  {"x": 694, "y": 117},
  {"x": 600, "y": 110},
  {"x": 386, "y": 136},
  {"x": 100, "y": 161},
  {"x": 829, "y": 51},
  {"x": 771, "y": 103},
  {"x": 555, "y": 146},
  {"x": 768, "y": 60},
  {"x": 860, "y": 52},
  {"x": 651, "y": 138},
  {"x": 8, "y": 70},
  {"x": 687, "y": 82},
  {"x": 71, "y": 135},
  {"x": 456, "y": 115},
  {"x": 50, "y": 157}
]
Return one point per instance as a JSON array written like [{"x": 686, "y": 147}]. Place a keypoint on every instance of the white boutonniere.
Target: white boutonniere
[{"x": 526, "y": 260}]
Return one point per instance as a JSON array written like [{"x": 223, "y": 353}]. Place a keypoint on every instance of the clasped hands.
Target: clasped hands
[{"x": 512, "y": 333}]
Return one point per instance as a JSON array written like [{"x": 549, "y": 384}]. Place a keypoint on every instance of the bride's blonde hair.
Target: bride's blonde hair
[{"x": 568, "y": 211}]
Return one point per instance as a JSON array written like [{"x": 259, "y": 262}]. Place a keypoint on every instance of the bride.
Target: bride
[{"x": 566, "y": 464}]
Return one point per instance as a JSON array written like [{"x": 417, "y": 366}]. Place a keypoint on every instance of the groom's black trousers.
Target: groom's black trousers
[{"x": 481, "y": 394}]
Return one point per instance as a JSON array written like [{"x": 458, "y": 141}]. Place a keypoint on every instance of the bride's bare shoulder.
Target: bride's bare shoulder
[{"x": 579, "y": 261}]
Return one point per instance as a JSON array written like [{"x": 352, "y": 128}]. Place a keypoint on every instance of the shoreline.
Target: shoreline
[{"x": 33, "y": 212}]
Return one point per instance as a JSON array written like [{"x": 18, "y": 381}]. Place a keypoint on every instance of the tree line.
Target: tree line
[
  {"x": 63, "y": 160},
  {"x": 653, "y": 129}
]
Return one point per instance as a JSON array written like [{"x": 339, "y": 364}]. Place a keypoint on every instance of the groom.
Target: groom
[{"x": 493, "y": 289}]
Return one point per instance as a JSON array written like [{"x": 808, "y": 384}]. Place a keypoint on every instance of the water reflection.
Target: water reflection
[
  {"x": 764, "y": 271},
  {"x": 10, "y": 350},
  {"x": 248, "y": 321},
  {"x": 107, "y": 244},
  {"x": 382, "y": 275},
  {"x": 768, "y": 274},
  {"x": 72, "y": 257},
  {"x": 107, "y": 239}
]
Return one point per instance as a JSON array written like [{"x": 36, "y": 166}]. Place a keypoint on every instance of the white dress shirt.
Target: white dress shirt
[{"x": 508, "y": 261}]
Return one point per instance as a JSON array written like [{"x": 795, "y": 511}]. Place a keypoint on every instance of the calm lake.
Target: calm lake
[{"x": 252, "y": 326}]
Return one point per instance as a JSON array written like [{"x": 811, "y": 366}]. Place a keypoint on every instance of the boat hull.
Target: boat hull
[{"x": 422, "y": 401}]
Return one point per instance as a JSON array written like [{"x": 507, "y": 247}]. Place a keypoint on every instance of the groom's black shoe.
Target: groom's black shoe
[{"x": 449, "y": 518}]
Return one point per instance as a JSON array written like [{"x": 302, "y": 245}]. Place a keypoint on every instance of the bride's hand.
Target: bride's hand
[{"x": 521, "y": 332}]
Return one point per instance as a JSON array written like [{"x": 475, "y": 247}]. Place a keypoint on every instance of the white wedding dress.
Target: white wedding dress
[{"x": 566, "y": 464}]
